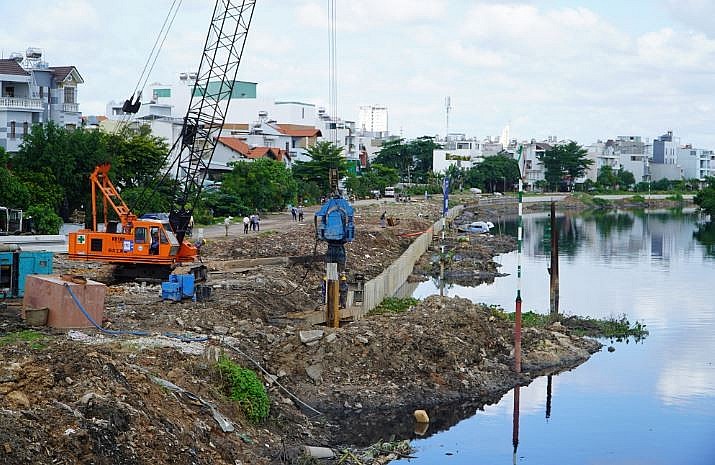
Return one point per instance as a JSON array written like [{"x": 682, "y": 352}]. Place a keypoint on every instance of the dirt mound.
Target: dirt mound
[{"x": 91, "y": 398}]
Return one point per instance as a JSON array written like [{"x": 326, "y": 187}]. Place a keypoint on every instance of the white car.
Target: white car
[{"x": 477, "y": 227}]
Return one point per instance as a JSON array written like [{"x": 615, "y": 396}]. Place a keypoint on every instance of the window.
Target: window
[
  {"x": 95, "y": 245},
  {"x": 9, "y": 92},
  {"x": 25, "y": 125},
  {"x": 70, "y": 95},
  {"x": 42, "y": 92},
  {"x": 12, "y": 129},
  {"x": 140, "y": 235}
]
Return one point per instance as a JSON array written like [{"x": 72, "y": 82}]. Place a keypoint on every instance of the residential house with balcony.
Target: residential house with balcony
[
  {"x": 696, "y": 163},
  {"x": 531, "y": 167},
  {"x": 35, "y": 93},
  {"x": 602, "y": 154},
  {"x": 456, "y": 150},
  {"x": 634, "y": 156}
]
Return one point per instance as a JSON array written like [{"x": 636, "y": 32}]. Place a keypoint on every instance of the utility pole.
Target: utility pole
[
  {"x": 447, "y": 108},
  {"x": 517, "y": 313},
  {"x": 445, "y": 208}
]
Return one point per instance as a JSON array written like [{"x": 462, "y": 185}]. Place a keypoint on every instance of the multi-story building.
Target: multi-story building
[
  {"x": 664, "y": 163},
  {"x": 373, "y": 118},
  {"x": 531, "y": 167},
  {"x": 696, "y": 163},
  {"x": 634, "y": 156},
  {"x": 457, "y": 150},
  {"x": 165, "y": 106},
  {"x": 32, "y": 92},
  {"x": 602, "y": 154}
]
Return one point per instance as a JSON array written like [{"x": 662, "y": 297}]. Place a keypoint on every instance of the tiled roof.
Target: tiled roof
[
  {"x": 235, "y": 126},
  {"x": 61, "y": 72},
  {"x": 237, "y": 145},
  {"x": 297, "y": 130},
  {"x": 10, "y": 66}
]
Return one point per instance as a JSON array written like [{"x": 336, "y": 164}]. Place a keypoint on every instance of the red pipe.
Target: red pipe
[{"x": 517, "y": 336}]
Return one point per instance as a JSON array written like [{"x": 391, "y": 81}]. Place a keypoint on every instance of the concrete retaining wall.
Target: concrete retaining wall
[{"x": 394, "y": 276}]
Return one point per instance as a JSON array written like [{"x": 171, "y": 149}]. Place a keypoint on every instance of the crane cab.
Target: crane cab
[{"x": 138, "y": 241}]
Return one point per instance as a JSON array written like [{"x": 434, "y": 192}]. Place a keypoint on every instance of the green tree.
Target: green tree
[
  {"x": 137, "y": 158},
  {"x": 625, "y": 178},
  {"x": 498, "y": 172},
  {"x": 606, "y": 177},
  {"x": 456, "y": 176},
  {"x": 564, "y": 163},
  {"x": 324, "y": 156},
  {"x": 56, "y": 162},
  {"x": 375, "y": 177},
  {"x": 13, "y": 192},
  {"x": 263, "y": 184},
  {"x": 44, "y": 219},
  {"x": 412, "y": 160},
  {"x": 705, "y": 199}
]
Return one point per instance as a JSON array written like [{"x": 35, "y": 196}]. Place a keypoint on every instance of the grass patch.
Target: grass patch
[
  {"x": 33, "y": 338},
  {"x": 394, "y": 305},
  {"x": 601, "y": 203},
  {"x": 638, "y": 198},
  {"x": 244, "y": 386},
  {"x": 618, "y": 328}
]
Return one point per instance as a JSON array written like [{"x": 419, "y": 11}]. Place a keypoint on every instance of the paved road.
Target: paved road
[{"x": 270, "y": 222}]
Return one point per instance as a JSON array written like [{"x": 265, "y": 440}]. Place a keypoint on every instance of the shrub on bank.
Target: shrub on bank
[{"x": 244, "y": 386}]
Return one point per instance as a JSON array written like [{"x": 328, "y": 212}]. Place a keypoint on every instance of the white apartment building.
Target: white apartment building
[
  {"x": 457, "y": 150},
  {"x": 165, "y": 105},
  {"x": 373, "y": 118},
  {"x": 696, "y": 163},
  {"x": 531, "y": 167}
]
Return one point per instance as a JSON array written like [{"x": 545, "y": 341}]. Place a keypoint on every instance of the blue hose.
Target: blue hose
[{"x": 120, "y": 332}]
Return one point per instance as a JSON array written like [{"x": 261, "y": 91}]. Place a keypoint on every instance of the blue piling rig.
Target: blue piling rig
[{"x": 334, "y": 224}]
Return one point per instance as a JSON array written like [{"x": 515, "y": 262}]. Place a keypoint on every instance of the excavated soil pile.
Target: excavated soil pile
[
  {"x": 84, "y": 397},
  {"x": 92, "y": 399}
]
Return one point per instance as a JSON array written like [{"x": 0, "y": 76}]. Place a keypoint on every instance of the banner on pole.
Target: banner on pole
[{"x": 445, "y": 191}]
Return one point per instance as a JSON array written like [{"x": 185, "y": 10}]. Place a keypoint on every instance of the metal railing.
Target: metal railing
[{"x": 18, "y": 103}]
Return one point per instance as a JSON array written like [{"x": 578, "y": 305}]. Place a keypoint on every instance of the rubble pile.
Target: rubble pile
[{"x": 86, "y": 397}]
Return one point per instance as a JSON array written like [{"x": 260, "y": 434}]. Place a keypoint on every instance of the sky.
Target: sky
[{"x": 576, "y": 69}]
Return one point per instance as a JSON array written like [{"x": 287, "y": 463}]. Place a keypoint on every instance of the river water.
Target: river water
[{"x": 651, "y": 402}]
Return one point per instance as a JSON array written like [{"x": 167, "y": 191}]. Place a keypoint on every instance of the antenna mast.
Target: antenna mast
[{"x": 447, "y": 107}]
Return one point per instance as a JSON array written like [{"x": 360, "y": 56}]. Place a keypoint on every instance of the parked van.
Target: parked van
[{"x": 389, "y": 192}]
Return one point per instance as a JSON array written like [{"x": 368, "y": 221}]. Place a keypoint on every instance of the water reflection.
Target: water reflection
[
  {"x": 644, "y": 403},
  {"x": 515, "y": 424},
  {"x": 705, "y": 235}
]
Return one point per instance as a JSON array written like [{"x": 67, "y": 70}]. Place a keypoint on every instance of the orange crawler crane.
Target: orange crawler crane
[
  {"x": 150, "y": 248},
  {"x": 143, "y": 247}
]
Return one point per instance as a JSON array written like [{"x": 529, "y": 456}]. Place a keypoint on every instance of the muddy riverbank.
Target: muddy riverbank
[{"x": 83, "y": 396}]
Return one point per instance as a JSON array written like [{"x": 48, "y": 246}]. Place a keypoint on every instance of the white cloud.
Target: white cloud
[
  {"x": 575, "y": 71},
  {"x": 369, "y": 14}
]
